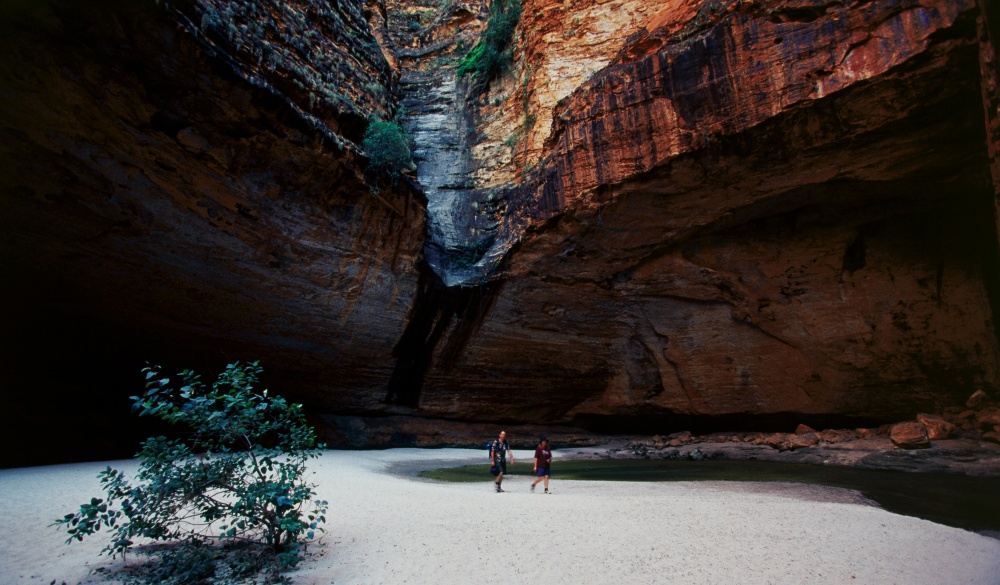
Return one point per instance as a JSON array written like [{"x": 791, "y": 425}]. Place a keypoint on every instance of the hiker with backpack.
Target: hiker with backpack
[{"x": 498, "y": 457}]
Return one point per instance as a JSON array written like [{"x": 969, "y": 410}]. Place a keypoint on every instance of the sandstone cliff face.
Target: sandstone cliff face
[
  {"x": 158, "y": 206},
  {"x": 325, "y": 58},
  {"x": 988, "y": 32},
  {"x": 696, "y": 215},
  {"x": 561, "y": 46},
  {"x": 753, "y": 209}
]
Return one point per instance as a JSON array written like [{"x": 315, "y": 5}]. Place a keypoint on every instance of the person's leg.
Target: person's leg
[{"x": 546, "y": 482}]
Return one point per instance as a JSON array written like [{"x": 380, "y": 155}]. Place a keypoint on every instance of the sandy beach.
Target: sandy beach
[{"x": 387, "y": 527}]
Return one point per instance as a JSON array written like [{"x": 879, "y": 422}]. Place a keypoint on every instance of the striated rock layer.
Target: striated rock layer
[
  {"x": 752, "y": 214},
  {"x": 688, "y": 215},
  {"x": 159, "y": 206}
]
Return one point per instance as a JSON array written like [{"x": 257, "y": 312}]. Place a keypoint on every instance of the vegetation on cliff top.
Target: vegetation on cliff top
[{"x": 493, "y": 54}]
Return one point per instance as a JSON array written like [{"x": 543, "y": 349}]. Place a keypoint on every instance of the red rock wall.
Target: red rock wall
[
  {"x": 769, "y": 208},
  {"x": 159, "y": 207},
  {"x": 989, "y": 67},
  {"x": 724, "y": 215},
  {"x": 748, "y": 68}
]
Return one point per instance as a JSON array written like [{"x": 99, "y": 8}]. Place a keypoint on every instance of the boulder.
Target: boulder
[
  {"x": 992, "y": 437},
  {"x": 835, "y": 436},
  {"x": 987, "y": 419},
  {"x": 910, "y": 435},
  {"x": 937, "y": 427},
  {"x": 776, "y": 440},
  {"x": 966, "y": 419},
  {"x": 803, "y": 429},
  {"x": 683, "y": 436},
  {"x": 976, "y": 400},
  {"x": 804, "y": 440}
]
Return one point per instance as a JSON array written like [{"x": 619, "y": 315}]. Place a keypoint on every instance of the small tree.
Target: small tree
[
  {"x": 236, "y": 475},
  {"x": 388, "y": 147},
  {"x": 491, "y": 56}
]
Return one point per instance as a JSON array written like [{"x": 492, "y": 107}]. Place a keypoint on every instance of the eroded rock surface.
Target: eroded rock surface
[
  {"x": 767, "y": 210},
  {"x": 694, "y": 215},
  {"x": 158, "y": 206}
]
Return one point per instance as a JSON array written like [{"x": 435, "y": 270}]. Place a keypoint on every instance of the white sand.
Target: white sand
[{"x": 389, "y": 529}]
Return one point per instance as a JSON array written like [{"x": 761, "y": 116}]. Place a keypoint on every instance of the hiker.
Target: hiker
[
  {"x": 498, "y": 455},
  {"x": 543, "y": 462}
]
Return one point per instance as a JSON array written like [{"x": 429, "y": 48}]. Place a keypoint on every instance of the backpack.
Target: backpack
[{"x": 494, "y": 469}]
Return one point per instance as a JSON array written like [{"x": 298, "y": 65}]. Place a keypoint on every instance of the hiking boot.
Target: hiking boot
[
  {"x": 546, "y": 491},
  {"x": 498, "y": 489},
  {"x": 532, "y": 487}
]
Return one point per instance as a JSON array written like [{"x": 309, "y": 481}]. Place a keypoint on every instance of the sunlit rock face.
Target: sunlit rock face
[
  {"x": 748, "y": 212},
  {"x": 561, "y": 46}
]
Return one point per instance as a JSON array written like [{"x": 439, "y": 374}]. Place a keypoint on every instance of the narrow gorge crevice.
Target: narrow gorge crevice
[
  {"x": 462, "y": 221},
  {"x": 439, "y": 110},
  {"x": 458, "y": 285}
]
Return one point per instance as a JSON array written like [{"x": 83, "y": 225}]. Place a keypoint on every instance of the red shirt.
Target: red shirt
[{"x": 543, "y": 457}]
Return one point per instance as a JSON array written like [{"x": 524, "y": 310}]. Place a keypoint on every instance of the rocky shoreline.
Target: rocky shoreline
[
  {"x": 960, "y": 440},
  {"x": 959, "y": 455}
]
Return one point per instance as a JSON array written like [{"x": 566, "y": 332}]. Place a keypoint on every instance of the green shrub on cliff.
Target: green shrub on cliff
[
  {"x": 388, "y": 147},
  {"x": 492, "y": 55},
  {"x": 235, "y": 478}
]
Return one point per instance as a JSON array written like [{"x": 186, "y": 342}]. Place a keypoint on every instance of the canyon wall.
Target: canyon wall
[
  {"x": 166, "y": 199},
  {"x": 701, "y": 215},
  {"x": 732, "y": 212}
]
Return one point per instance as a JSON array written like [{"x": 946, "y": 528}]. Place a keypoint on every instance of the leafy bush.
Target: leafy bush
[
  {"x": 388, "y": 147},
  {"x": 492, "y": 55},
  {"x": 235, "y": 477}
]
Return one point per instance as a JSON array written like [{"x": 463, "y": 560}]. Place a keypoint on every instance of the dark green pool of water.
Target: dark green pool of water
[{"x": 972, "y": 503}]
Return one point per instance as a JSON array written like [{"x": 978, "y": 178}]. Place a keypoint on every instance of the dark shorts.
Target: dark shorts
[
  {"x": 501, "y": 465},
  {"x": 542, "y": 471}
]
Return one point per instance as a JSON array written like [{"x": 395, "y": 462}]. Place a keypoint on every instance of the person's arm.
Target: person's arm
[{"x": 511, "y": 451}]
